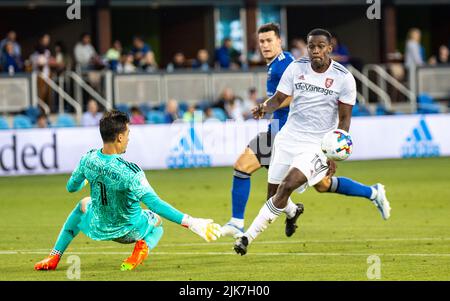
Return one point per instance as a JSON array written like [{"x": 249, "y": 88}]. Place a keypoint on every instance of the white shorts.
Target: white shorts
[{"x": 307, "y": 158}]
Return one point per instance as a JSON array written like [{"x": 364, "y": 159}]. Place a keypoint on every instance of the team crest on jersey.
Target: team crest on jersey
[
  {"x": 329, "y": 82},
  {"x": 301, "y": 77}
]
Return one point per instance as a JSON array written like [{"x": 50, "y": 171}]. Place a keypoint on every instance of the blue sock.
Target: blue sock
[
  {"x": 239, "y": 193},
  {"x": 349, "y": 187},
  {"x": 68, "y": 231}
]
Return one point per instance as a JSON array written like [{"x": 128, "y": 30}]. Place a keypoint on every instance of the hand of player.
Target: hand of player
[
  {"x": 259, "y": 111},
  {"x": 331, "y": 168},
  {"x": 205, "y": 228}
]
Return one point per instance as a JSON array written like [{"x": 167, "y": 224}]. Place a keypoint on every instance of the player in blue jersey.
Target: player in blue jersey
[
  {"x": 113, "y": 210},
  {"x": 258, "y": 152}
]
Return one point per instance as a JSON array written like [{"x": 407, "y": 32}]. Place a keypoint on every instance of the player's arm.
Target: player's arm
[
  {"x": 77, "y": 179},
  {"x": 345, "y": 116},
  {"x": 270, "y": 105},
  {"x": 203, "y": 227},
  {"x": 347, "y": 99},
  {"x": 284, "y": 90},
  {"x": 286, "y": 102}
]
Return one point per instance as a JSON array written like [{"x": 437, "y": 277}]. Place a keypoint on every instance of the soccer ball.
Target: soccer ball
[{"x": 337, "y": 145}]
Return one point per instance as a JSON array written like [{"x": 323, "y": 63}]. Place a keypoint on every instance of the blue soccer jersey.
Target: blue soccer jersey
[{"x": 274, "y": 72}]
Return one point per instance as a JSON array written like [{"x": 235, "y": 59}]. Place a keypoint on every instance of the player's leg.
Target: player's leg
[
  {"x": 68, "y": 232},
  {"x": 341, "y": 185},
  {"x": 307, "y": 169},
  {"x": 147, "y": 235},
  {"x": 273, "y": 207},
  {"x": 244, "y": 167},
  {"x": 293, "y": 211},
  {"x": 256, "y": 155}
]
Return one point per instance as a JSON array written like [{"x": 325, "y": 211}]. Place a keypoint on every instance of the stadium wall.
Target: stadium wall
[{"x": 181, "y": 145}]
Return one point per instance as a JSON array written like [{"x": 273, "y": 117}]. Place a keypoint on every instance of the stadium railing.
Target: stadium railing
[
  {"x": 433, "y": 80},
  {"x": 20, "y": 91},
  {"x": 15, "y": 93},
  {"x": 383, "y": 77}
]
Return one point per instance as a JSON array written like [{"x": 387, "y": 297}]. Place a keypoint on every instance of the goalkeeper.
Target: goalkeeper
[{"x": 113, "y": 210}]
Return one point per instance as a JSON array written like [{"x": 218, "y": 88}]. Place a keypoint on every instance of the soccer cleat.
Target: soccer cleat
[
  {"x": 48, "y": 263},
  {"x": 291, "y": 223},
  {"x": 240, "y": 246},
  {"x": 139, "y": 254},
  {"x": 229, "y": 229},
  {"x": 381, "y": 201}
]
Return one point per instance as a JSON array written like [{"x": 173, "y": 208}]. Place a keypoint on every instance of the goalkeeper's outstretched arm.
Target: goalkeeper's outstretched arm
[{"x": 203, "y": 227}]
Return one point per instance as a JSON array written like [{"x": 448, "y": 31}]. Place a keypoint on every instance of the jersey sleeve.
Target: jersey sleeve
[
  {"x": 286, "y": 84},
  {"x": 145, "y": 193},
  {"x": 162, "y": 208},
  {"x": 76, "y": 181},
  {"x": 347, "y": 94},
  {"x": 139, "y": 185}
]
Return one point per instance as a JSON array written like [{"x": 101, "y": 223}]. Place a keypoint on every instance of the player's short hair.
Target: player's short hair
[
  {"x": 270, "y": 27},
  {"x": 320, "y": 32},
  {"x": 112, "y": 124}
]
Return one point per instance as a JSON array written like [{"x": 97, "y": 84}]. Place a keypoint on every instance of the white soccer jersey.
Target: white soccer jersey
[{"x": 314, "y": 107}]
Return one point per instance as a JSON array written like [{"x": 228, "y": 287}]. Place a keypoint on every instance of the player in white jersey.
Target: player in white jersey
[{"x": 323, "y": 94}]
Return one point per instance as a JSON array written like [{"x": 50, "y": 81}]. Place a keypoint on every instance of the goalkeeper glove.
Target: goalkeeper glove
[{"x": 205, "y": 228}]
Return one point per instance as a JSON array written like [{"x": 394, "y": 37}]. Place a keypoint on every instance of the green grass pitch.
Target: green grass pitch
[{"x": 335, "y": 237}]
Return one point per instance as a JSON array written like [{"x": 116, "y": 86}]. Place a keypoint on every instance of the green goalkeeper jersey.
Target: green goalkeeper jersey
[{"x": 117, "y": 187}]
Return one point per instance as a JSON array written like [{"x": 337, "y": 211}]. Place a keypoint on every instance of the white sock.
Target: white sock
[
  {"x": 374, "y": 193},
  {"x": 55, "y": 252},
  {"x": 290, "y": 209},
  {"x": 238, "y": 222},
  {"x": 267, "y": 215}
]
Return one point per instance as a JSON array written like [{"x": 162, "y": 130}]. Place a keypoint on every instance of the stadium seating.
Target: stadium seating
[
  {"x": 3, "y": 123},
  {"x": 155, "y": 117},
  {"x": 161, "y": 107},
  {"x": 22, "y": 122},
  {"x": 427, "y": 105},
  {"x": 65, "y": 120},
  {"x": 381, "y": 110},
  {"x": 360, "y": 110},
  {"x": 123, "y": 108},
  {"x": 202, "y": 105},
  {"x": 145, "y": 108},
  {"x": 219, "y": 114},
  {"x": 183, "y": 107},
  {"x": 32, "y": 113}
]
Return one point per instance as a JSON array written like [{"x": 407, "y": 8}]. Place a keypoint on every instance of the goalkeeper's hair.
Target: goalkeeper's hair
[{"x": 112, "y": 124}]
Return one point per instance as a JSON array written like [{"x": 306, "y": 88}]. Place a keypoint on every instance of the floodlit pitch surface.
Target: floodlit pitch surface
[{"x": 336, "y": 234}]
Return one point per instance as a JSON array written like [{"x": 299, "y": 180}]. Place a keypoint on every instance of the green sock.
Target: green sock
[
  {"x": 68, "y": 231},
  {"x": 153, "y": 237}
]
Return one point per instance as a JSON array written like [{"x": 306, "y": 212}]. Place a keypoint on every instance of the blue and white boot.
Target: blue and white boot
[
  {"x": 230, "y": 229},
  {"x": 381, "y": 201}
]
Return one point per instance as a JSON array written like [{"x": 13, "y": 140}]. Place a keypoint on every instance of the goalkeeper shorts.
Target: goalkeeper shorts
[{"x": 147, "y": 226}]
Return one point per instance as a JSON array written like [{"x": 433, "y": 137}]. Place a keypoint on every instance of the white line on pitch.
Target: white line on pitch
[
  {"x": 313, "y": 241},
  {"x": 234, "y": 254},
  {"x": 347, "y": 240}
]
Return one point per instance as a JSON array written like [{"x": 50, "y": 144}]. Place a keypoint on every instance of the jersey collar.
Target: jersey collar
[
  {"x": 269, "y": 63},
  {"x": 326, "y": 71},
  {"x": 104, "y": 156}
]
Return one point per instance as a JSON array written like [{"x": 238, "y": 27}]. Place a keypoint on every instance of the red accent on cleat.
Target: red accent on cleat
[{"x": 48, "y": 263}]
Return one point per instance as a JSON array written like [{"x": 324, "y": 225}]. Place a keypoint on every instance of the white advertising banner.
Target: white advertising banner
[{"x": 180, "y": 145}]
